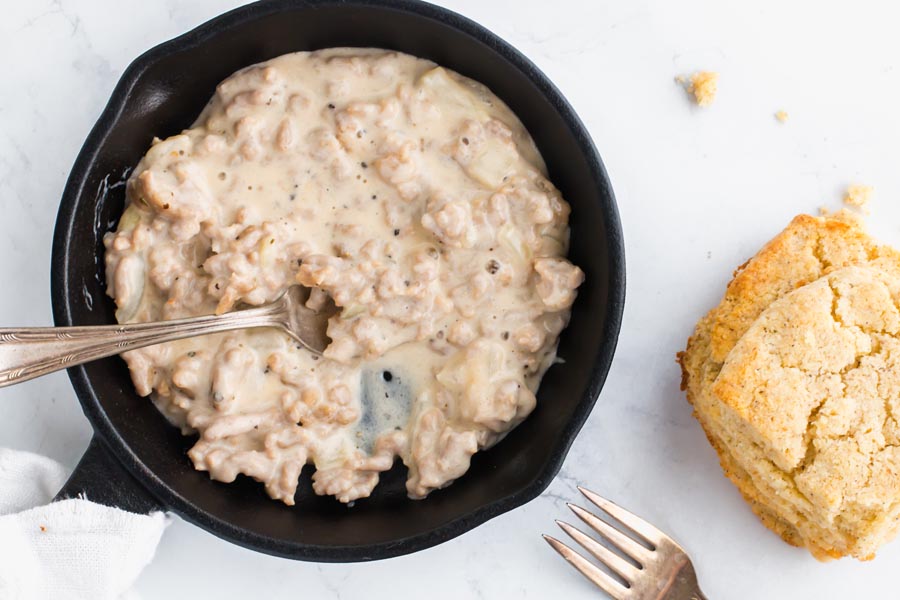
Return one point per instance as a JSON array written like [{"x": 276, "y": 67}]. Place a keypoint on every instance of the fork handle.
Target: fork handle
[{"x": 29, "y": 352}]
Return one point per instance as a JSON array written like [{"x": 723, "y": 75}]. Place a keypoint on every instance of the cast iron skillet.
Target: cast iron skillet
[{"x": 137, "y": 461}]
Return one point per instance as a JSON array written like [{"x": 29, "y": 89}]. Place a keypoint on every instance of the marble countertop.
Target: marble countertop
[{"x": 699, "y": 191}]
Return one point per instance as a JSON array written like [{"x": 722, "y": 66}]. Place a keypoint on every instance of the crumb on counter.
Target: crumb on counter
[
  {"x": 858, "y": 195},
  {"x": 703, "y": 86},
  {"x": 782, "y": 116},
  {"x": 43, "y": 528}
]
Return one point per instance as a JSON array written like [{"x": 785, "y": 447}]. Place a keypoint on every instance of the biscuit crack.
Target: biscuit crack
[
  {"x": 809, "y": 439},
  {"x": 835, "y": 297},
  {"x": 818, "y": 251},
  {"x": 889, "y": 417}
]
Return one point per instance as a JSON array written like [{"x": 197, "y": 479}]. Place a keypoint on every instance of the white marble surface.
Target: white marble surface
[{"x": 699, "y": 191}]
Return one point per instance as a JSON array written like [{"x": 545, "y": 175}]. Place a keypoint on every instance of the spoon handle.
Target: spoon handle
[{"x": 29, "y": 352}]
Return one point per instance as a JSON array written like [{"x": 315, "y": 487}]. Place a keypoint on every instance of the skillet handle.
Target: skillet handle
[{"x": 102, "y": 479}]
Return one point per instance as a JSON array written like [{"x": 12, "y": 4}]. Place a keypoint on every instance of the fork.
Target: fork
[{"x": 658, "y": 569}]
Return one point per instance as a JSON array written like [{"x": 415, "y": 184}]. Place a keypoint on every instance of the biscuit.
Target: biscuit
[{"x": 790, "y": 376}]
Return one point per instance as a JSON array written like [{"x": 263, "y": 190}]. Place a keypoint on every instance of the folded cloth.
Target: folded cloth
[{"x": 68, "y": 550}]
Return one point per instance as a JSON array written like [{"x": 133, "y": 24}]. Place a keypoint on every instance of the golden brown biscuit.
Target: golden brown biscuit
[{"x": 760, "y": 426}]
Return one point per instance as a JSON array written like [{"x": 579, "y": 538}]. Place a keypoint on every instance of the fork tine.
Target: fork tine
[
  {"x": 619, "y": 565},
  {"x": 632, "y": 521},
  {"x": 583, "y": 566},
  {"x": 618, "y": 539}
]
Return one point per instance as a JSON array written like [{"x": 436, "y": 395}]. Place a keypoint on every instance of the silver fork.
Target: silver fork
[{"x": 658, "y": 569}]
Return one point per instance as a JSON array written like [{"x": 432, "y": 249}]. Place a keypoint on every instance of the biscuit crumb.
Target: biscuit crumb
[
  {"x": 851, "y": 217},
  {"x": 782, "y": 116},
  {"x": 858, "y": 195},
  {"x": 703, "y": 86}
]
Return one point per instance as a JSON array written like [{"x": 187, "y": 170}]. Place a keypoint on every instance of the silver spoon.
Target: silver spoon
[{"x": 29, "y": 352}]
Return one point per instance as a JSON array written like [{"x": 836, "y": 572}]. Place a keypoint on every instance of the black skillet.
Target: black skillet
[{"x": 137, "y": 461}]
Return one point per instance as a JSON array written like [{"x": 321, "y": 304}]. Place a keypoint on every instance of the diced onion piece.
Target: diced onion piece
[
  {"x": 494, "y": 162},
  {"x": 129, "y": 287},
  {"x": 512, "y": 241},
  {"x": 268, "y": 254},
  {"x": 552, "y": 246},
  {"x": 130, "y": 219},
  {"x": 352, "y": 311},
  {"x": 446, "y": 90}
]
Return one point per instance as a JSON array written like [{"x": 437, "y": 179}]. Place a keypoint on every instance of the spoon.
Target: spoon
[{"x": 29, "y": 352}]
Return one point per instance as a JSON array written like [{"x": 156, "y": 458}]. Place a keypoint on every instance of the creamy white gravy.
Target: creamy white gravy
[{"x": 409, "y": 194}]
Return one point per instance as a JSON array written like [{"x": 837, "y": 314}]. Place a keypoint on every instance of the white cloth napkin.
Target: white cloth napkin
[{"x": 68, "y": 550}]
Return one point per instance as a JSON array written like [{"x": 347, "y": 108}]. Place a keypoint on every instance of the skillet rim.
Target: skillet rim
[{"x": 118, "y": 447}]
